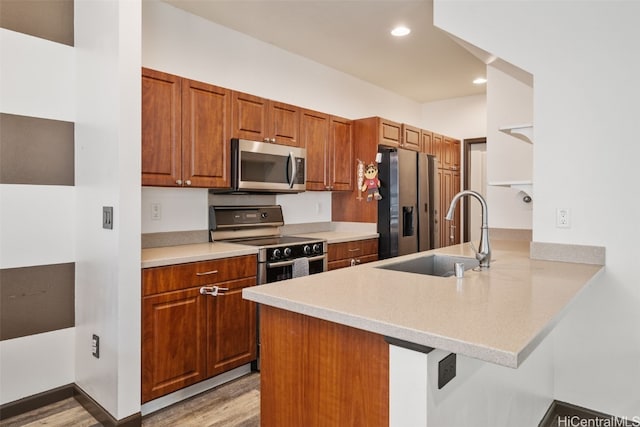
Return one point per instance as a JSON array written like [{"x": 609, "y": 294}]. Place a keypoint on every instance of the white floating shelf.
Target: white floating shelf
[
  {"x": 523, "y": 132},
  {"x": 524, "y": 186}
]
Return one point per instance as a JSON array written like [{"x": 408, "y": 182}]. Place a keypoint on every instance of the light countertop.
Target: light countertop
[
  {"x": 339, "y": 236},
  {"x": 497, "y": 315},
  {"x": 179, "y": 254}
]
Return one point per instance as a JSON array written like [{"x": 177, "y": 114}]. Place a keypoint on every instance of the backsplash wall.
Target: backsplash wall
[{"x": 186, "y": 209}]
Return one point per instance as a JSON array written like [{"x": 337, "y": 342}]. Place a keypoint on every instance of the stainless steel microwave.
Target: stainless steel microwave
[{"x": 264, "y": 167}]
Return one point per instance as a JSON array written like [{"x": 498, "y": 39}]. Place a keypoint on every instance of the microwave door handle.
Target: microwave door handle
[{"x": 294, "y": 169}]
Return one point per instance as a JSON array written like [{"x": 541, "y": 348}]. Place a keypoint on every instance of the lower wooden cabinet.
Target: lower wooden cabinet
[
  {"x": 188, "y": 337},
  {"x": 352, "y": 253}
]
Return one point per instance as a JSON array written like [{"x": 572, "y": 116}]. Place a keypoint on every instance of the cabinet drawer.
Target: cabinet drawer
[
  {"x": 356, "y": 248},
  {"x": 334, "y": 265},
  {"x": 183, "y": 276}
]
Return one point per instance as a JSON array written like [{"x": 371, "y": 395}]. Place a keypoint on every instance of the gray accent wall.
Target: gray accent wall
[
  {"x": 36, "y": 299},
  {"x": 46, "y": 19},
  {"x": 36, "y": 151}
]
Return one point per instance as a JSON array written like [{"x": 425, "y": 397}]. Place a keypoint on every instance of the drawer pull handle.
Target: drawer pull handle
[
  {"x": 354, "y": 250},
  {"x": 214, "y": 291},
  {"x": 206, "y": 273}
]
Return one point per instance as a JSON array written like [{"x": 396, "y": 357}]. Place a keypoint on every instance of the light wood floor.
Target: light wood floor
[{"x": 235, "y": 404}]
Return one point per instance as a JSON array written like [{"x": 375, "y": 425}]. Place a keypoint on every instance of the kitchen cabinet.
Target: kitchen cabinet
[
  {"x": 449, "y": 187},
  {"x": 411, "y": 138},
  {"x": 341, "y": 154},
  {"x": 380, "y": 131},
  {"x": 450, "y": 153},
  {"x": 427, "y": 142},
  {"x": 314, "y": 134},
  {"x": 437, "y": 144},
  {"x": 185, "y": 132},
  {"x": 187, "y": 336},
  {"x": 260, "y": 119},
  {"x": 351, "y": 253},
  {"x": 329, "y": 144}
]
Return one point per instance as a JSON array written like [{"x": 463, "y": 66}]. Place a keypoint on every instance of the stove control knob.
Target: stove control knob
[
  {"x": 276, "y": 253},
  {"x": 287, "y": 252},
  {"x": 306, "y": 249},
  {"x": 317, "y": 248}
]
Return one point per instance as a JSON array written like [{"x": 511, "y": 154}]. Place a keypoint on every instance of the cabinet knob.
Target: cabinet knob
[
  {"x": 273, "y": 140},
  {"x": 188, "y": 182},
  {"x": 266, "y": 140},
  {"x": 179, "y": 182}
]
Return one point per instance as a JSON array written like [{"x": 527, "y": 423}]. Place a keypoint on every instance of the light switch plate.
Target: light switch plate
[{"x": 107, "y": 217}]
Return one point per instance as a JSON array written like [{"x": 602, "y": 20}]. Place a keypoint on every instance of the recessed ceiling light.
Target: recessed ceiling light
[
  {"x": 479, "y": 81},
  {"x": 400, "y": 31}
]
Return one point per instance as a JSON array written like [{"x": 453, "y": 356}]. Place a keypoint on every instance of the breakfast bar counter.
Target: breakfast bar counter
[{"x": 497, "y": 315}]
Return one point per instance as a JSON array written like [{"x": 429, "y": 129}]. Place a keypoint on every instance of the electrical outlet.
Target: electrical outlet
[
  {"x": 95, "y": 346},
  {"x": 563, "y": 218},
  {"x": 446, "y": 370},
  {"x": 156, "y": 211}
]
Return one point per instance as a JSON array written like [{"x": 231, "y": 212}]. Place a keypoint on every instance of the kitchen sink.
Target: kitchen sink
[{"x": 431, "y": 265}]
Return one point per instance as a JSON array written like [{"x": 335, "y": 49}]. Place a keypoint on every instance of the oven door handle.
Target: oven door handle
[{"x": 288, "y": 263}]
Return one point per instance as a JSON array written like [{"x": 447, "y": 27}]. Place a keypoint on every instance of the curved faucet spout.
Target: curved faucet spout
[{"x": 484, "y": 251}]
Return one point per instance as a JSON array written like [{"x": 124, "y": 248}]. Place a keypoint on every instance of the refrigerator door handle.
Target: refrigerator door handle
[{"x": 408, "y": 221}]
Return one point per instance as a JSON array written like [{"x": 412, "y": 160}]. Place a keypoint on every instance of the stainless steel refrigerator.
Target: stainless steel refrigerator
[{"x": 408, "y": 210}]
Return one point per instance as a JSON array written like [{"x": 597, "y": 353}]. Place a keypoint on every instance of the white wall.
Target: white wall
[
  {"x": 584, "y": 60},
  {"x": 461, "y": 118},
  {"x": 180, "y": 43},
  {"x": 37, "y": 79},
  {"x": 107, "y": 38},
  {"x": 509, "y": 102}
]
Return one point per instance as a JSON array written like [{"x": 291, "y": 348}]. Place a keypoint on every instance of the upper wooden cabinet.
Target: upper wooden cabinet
[
  {"x": 329, "y": 143},
  {"x": 260, "y": 119},
  {"x": 185, "y": 132},
  {"x": 411, "y": 138},
  {"x": 427, "y": 142},
  {"x": 380, "y": 131},
  {"x": 342, "y": 162},
  {"x": 437, "y": 144},
  {"x": 314, "y": 134},
  {"x": 450, "y": 153}
]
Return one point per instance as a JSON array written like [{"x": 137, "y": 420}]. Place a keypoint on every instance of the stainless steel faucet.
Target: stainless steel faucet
[{"x": 483, "y": 255}]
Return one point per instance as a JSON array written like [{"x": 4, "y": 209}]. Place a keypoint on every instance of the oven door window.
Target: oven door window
[{"x": 275, "y": 274}]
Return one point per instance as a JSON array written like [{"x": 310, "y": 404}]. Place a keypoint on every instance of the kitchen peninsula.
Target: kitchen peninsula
[{"x": 323, "y": 336}]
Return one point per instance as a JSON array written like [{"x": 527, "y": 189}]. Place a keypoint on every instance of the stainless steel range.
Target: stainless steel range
[{"x": 279, "y": 257}]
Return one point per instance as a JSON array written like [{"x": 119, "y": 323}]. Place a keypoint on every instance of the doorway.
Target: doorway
[{"x": 475, "y": 178}]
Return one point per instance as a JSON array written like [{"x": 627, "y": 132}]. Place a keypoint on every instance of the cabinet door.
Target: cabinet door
[
  {"x": 314, "y": 134},
  {"x": 449, "y": 187},
  {"x": 161, "y": 130},
  {"x": 284, "y": 121},
  {"x": 455, "y": 182},
  {"x": 427, "y": 142},
  {"x": 437, "y": 144},
  {"x": 390, "y": 133},
  {"x": 455, "y": 155},
  {"x": 206, "y": 136},
  {"x": 231, "y": 328},
  {"x": 411, "y": 138},
  {"x": 249, "y": 119},
  {"x": 173, "y": 342},
  {"x": 342, "y": 164},
  {"x": 447, "y": 152}
]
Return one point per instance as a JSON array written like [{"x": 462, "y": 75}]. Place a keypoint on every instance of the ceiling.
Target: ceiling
[{"x": 353, "y": 37}]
